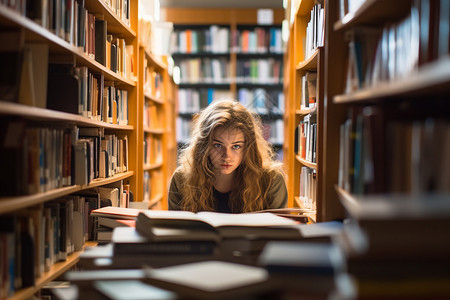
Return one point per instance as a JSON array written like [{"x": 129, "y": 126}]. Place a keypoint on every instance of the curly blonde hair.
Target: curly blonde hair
[{"x": 255, "y": 174}]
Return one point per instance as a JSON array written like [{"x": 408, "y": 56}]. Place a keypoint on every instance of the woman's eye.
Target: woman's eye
[
  {"x": 217, "y": 146},
  {"x": 237, "y": 147}
]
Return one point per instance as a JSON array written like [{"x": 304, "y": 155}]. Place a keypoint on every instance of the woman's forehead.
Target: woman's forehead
[{"x": 234, "y": 134}]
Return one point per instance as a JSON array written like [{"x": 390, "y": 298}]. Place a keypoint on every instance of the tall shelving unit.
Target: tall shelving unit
[
  {"x": 158, "y": 132},
  {"x": 398, "y": 95},
  {"x": 297, "y": 64},
  {"x": 393, "y": 171},
  {"x": 235, "y": 21},
  {"x": 61, "y": 49},
  {"x": 42, "y": 117}
]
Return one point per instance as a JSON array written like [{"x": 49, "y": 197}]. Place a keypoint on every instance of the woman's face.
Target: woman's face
[{"x": 227, "y": 150}]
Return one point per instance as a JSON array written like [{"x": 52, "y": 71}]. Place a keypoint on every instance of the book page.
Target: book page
[
  {"x": 249, "y": 220},
  {"x": 171, "y": 214}
]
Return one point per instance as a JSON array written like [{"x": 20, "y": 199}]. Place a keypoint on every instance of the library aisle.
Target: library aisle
[{"x": 97, "y": 97}]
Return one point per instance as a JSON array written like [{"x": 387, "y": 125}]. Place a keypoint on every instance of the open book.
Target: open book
[{"x": 261, "y": 225}]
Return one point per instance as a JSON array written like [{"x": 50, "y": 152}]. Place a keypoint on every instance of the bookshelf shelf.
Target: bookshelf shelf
[
  {"x": 306, "y": 163},
  {"x": 153, "y": 98},
  {"x": 306, "y": 211},
  {"x": 304, "y": 112},
  {"x": 199, "y": 85},
  {"x": 9, "y": 204},
  {"x": 372, "y": 11},
  {"x": 309, "y": 64},
  {"x": 429, "y": 78},
  {"x": 350, "y": 203},
  {"x": 199, "y": 54},
  {"x": 153, "y": 166},
  {"x": 104, "y": 181},
  {"x": 154, "y": 130},
  {"x": 254, "y": 85},
  {"x": 36, "y": 113},
  {"x": 259, "y": 55},
  {"x": 155, "y": 61}
]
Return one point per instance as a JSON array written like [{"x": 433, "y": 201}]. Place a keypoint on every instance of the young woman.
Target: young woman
[{"x": 228, "y": 166}]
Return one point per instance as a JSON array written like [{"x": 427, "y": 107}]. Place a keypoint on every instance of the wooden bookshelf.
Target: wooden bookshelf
[
  {"x": 232, "y": 58},
  {"x": 297, "y": 65},
  {"x": 156, "y": 88},
  {"x": 63, "y": 50},
  {"x": 387, "y": 198},
  {"x": 398, "y": 97}
]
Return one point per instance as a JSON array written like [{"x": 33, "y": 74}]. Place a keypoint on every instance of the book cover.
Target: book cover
[
  {"x": 113, "y": 222},
  {"x": 116, "y": 212},
  {"x": 128, "y": 241}
]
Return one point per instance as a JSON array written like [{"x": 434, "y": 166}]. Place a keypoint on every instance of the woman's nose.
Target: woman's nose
[{"x": 225, "y": 153}]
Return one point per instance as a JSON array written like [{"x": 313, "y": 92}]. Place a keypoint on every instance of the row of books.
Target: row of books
[
  {"x": 217, "y": 39},
  {"x": 409, "y": 161},
  {"x": 39, "y": 159},
  {"x": 153, "y": 184},
  {"x": 115, "y": 195},
  {"x": 257, "y": 40},
  {"x": 205, "y": 70},
  {"x": 308, "y": 98},
  {"x": 397, "y": 50},
  {"x": 90, "y": 95},
  {"x": 153, "y": 82},
  {"x": 99, "y": 155},
  {"x": 315, "y": 31},
  {"x": 193, "y": 100},
  {"x": 36, "y": 82},
  {"x": 35, "y": 159},
  {"x": 214, "y": 39},
  {"x": 121, "y": 8},
  {"x": 183, "y": 129},
  {"x": 118, "y": 56},
  {"x": 308, "y": 188},
  {"x": 36, "y": 238},
  {"x": 262, "y": 101},
  {"x": 264, "y": 71},
  {"x": 71, "y": 21},
  {"x": 273, "y": 131},
  {"x": 306, "y": 138},
  {"x": 152, "y": 119},
  {"x": 152, "y": 150}
]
